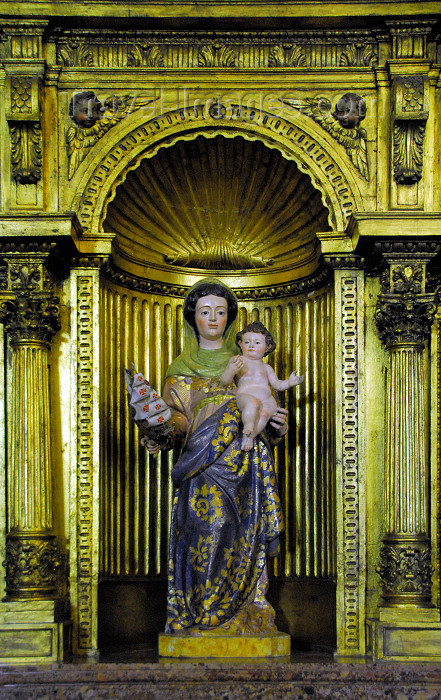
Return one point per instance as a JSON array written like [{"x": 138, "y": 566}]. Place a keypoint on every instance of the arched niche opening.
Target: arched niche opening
[
  {"x": 239, "y": 210},
  {"x": 225, "y": 204}
]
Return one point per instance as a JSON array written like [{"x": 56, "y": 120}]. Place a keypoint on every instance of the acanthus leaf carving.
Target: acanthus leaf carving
[
  {"x": 217, "y": 56},
  {"x": 185, "y": 49},
  {"x": 359, "y": 54},
  {"x": 408, "y": 151},
  {"x": 405, "y": 310},
  {"x": 31, "y": 316},
  {"x": 405, "y": 570},
  {"x": 407, "y": 279},
  {"x": 146, "y": 55},
  {"x": 31, "y": 565},
  {"x": 404, "y": 318},
  {"x": 411, "y": 111},
  {"x": 75, "y": 54},
  {"x": 287, "y": 56},
  {"x": 25, "y": 277},
  {"x": 26, "y": 151}
]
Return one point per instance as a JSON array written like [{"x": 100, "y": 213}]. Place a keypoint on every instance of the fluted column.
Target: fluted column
[
  {"x": 404, "y": 316},
  {"x": 30, "y": 316}
]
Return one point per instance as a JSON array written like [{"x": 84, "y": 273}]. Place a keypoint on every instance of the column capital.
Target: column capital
[
  {"x": 404, "y": 319},
  {"x": 31, "y": 316},
  {"x": 405, "y": 311},
  {"x": 30, "y": 310}
]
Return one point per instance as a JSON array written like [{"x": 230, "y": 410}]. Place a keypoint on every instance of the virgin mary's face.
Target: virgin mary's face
[{"x": 211, "y": 317}]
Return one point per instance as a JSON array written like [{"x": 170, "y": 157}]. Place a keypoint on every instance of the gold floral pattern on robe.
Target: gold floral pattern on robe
[{"x": 226, "y": 512}]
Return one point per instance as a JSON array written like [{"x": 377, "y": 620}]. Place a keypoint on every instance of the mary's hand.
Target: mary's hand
[
  {"x": 279, "y": 421},
  {"x": 150, "y": 444}
]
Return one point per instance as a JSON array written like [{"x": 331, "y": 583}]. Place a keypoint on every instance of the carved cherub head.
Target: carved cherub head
[
  {"x": 85, "y": 109},
  {"x": 350, "y": 110}
]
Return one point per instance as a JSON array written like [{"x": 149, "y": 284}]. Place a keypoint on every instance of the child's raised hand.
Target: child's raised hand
[{"x": 294, "y": 379}]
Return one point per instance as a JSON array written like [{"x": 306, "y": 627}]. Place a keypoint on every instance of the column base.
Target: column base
[
  {"x": 405, "y": 635},
  {"x": 34, "y": 632},
  {"x": 225, "y": 646}
]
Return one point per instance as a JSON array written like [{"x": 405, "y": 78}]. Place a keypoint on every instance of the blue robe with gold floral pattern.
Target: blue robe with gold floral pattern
[{"x": 225, "y": 514}]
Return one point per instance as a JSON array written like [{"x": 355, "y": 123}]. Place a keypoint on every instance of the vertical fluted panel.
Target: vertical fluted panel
[
  {"x": 406, "y": 489},
  {"x": 29, "y": 495},
  {"x": 136, "y": 488}
]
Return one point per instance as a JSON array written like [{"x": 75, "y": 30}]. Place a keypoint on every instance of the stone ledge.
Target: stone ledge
[{"x": 202, "y": 680}]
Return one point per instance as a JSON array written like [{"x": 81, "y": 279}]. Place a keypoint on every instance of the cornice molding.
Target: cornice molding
[
  {"x": 120, "y": 277},
  {"x": 178, "y": 9},
  {"x": 216, "y": 49}
]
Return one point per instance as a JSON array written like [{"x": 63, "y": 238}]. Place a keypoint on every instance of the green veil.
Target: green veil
[{"x": 199, "y": 362}]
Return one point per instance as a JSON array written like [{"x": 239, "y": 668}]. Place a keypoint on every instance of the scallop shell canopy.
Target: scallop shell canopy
[{"x": 217, "y": 203}]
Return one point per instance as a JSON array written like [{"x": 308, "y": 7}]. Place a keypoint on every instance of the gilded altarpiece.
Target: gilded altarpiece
[{"x": 299, "y": 167}]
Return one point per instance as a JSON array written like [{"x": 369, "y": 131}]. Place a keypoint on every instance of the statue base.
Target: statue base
[{"x": 225, "y": 646}]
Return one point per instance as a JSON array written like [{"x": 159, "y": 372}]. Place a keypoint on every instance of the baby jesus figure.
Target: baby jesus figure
[{"x": 254, "y": 380}]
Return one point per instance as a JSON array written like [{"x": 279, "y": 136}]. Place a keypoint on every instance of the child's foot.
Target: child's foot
[{"x": 247, "y": 442}]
